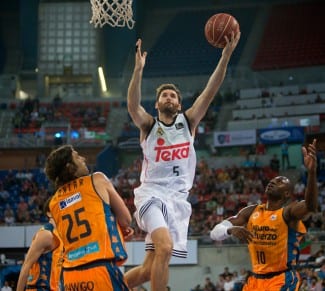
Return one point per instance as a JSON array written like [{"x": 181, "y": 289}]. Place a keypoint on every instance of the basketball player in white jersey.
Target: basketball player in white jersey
[{"x": 168, "y": 168}]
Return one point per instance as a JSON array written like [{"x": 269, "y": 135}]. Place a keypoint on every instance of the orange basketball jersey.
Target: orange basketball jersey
[
  {"x": 45, "y": 273},
  {"x": 86, "y": 224},
  {"x": 275, "y": 246}
]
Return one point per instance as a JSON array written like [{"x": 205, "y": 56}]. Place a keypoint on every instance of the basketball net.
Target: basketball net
[{"x": 117, "y": 13}]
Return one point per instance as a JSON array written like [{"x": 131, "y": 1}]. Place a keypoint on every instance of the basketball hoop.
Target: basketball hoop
[{"x": 117, "y": 13}]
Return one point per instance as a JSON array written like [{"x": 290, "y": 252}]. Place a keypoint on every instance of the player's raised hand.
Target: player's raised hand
[
  {"x": 140, "y": 57},
  {"x": 231, "y": 43},
  {"x": 310, "y": 158}
]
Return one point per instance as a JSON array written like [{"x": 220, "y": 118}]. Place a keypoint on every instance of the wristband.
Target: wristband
[{"x": 220, "y": 231}]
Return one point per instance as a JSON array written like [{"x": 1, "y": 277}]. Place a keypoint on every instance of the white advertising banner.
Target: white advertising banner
[{"x": 234, "y": 138}]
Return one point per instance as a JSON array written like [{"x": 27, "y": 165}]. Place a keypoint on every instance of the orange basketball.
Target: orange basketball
[{"x": 218, "y": 26}]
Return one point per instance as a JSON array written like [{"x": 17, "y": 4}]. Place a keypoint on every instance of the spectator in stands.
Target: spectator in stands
[
  {"x": 285, "y": 154},
  {"x": 275, "y": 163},
  {"x": 82, "y": 130},
  {"x": 197, "y": 288},
  {"x": 40, "y": 160},
  {"x": 257, "y": 162},
  {"x": 22, "y": 211},
  {"x": 4, "y": 194},
  {"x": 9, "y": 215},
  {"x": 247, "y": 163},
  {"x": 57, "y": 101},
  {"x": 316, "y": 255},
  {"x": 278, "y": 218},
  {"x": 229, "y": 284},
  {"x": 209, "y": 286},
  {"x": 220, "y": 283},
  {"x": 194, "y": 198},
  {"x": 168, "y": 171},
  {"x": 299, "y": 188},
  {"x": 260, "y": 148},
  {"x": 211, "y": 204},
  {"x": 313, "y": 284},
  {"x": 6, "y": 286},
  {"x": 318, "y": 99},
  {"x": 304, "y": 285},
  {"x": 242, "y": 277},
  {"x": 254, "y": 197},
  {"x": 321, "y": 160},
  {"x": 230, "y": 205},
  {"x": 9, "y": 180},
  {"x": 226, "y": 272},
  {"x": 321, "y": 271},
  {"x": 322, "y": 197}
]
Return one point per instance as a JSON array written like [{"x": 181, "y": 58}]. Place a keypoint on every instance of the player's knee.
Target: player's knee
[
  {"x": 145, "y": 273},
  {"x": 164, "y": 250}
]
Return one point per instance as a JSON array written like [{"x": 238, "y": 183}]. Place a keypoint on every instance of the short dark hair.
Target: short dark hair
[{"x": 168, "y": 86}]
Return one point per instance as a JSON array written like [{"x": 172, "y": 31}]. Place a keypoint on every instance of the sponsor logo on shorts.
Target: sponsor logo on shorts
[
  {"x": 83, "y": 251},
  {"x": 80, "y": 286},
  {"x": 70, "y": 201}
]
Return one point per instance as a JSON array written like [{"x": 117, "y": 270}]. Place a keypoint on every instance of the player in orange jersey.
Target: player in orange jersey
[
  {"x": 92, "y": 221},
  {"x": 42, "y": 266},
  {"x": 273, "y": 230}
]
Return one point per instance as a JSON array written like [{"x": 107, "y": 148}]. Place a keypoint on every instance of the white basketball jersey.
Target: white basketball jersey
[{"x": 169, "y": 159}]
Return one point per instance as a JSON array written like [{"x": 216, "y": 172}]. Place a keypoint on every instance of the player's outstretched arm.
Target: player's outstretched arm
[
  {"x": 299, "y": 209},
  {"x": 201, "y": 104},
  {"x": 42, "y": 243},
  {"x": 310, "y": 161},
  {"x": 138, "y": 114}
]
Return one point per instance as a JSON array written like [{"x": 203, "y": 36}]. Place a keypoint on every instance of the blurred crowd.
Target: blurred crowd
[
  {"x": 216, "y": 194},
  {"x": 22, "y": 196},
  {"x": 30, "y": 114}
]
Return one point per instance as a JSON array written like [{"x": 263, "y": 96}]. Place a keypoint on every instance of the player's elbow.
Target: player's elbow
[{"x": 133, "y": 109}]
